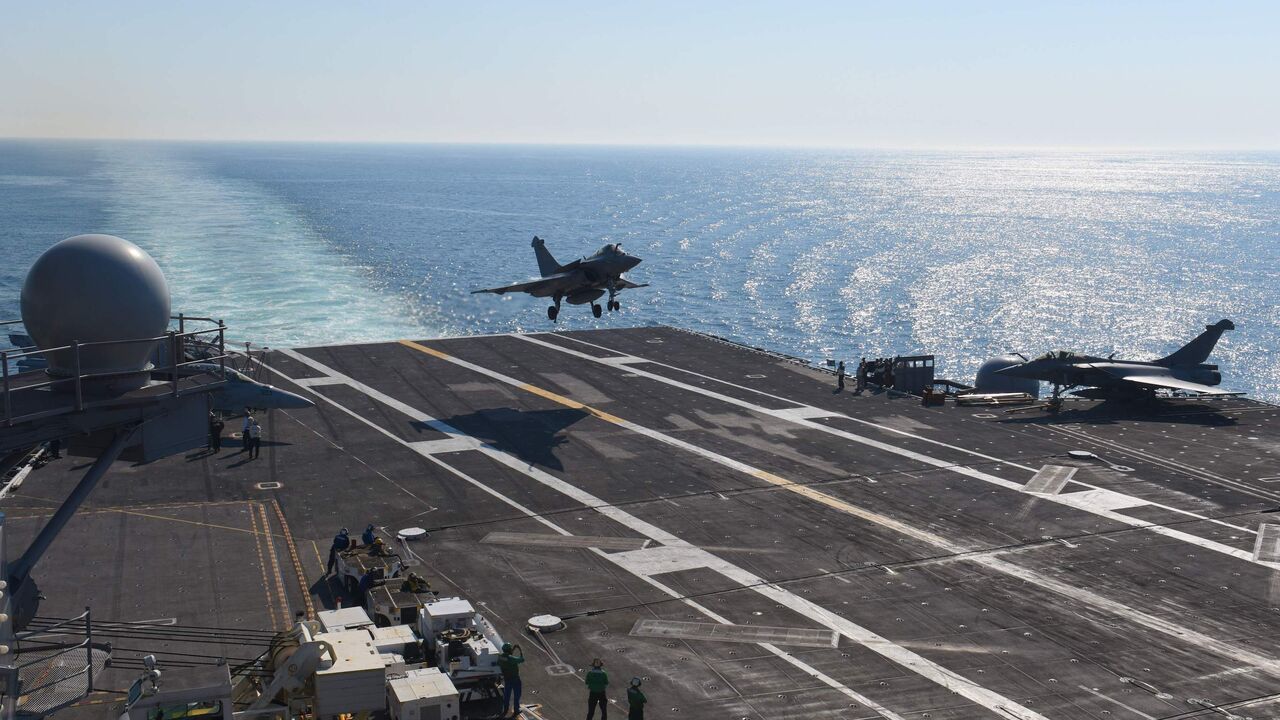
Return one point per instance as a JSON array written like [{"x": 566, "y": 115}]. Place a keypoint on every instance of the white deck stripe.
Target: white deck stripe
[
  {"x": 882, "y": 646},
  {"x": 793, "y": 415},
  {"x": 315, "y": 381},
  {"x": 1078, "y": 594}
]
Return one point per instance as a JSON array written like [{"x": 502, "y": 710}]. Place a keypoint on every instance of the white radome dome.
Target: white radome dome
[{"x": 94, "y": 288}]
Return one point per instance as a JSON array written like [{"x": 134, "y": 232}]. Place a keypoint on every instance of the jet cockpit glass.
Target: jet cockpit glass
[
  {"x": 236, "y": 376},
  {"x": 1057, "y": 355}
]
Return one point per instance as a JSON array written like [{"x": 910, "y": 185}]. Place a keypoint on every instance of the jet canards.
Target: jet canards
[
  {"x": 580, "y": 282},
  {"x": 1107, "y": 378}
]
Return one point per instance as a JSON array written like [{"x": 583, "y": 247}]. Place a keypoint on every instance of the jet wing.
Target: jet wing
[
  {"x": 529, "y": 286},
  {"x": 1172, "y": 383},
  {"x": 625, "y": 284}
]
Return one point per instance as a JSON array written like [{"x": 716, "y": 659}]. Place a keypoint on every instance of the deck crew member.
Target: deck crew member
[
  {"x": 378, "y": 548},
  {"x": 635, "y": 701},
  {"x": 597, "y": 680},
  {"x": 366, "y": 584},
  {"x": 341, "y": 542},
  {"x": 215, "y": 432},
  {"x": 244, "y": 431},
  {"x": 414, "y": 583},
  {"x": 255, "y": 440},
  {"x": 368, "y": 536},
  {"x": 840, "y": 376},
  {"x": 509, "y": 662},
  {"x": 862, "y": 375}
]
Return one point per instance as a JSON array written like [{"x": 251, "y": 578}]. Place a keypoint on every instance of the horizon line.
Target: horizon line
[{"x": 655, "y": 146}]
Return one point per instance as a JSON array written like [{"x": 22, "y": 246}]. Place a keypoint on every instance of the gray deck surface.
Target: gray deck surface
[{"x": 767, "y": 499}]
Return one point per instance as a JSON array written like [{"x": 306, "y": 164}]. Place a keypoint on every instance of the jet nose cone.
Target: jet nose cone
[
  {"x": 290, "y": 401},
  {"x": 632, "y": 261}
]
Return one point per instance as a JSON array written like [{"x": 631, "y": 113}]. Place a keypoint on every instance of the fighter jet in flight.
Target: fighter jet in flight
[
  {"x": 1111, "y": 379},
  {"x": 580, "y": 282}
]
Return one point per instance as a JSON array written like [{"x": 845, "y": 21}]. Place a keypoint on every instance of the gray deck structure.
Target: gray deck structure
[{"x": 741, "y": 490}]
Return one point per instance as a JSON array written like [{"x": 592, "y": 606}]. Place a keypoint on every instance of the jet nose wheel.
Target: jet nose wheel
[
  {"x": 614, "y": 305},
  {"x": 596, "y": 310},
  {"x": 552, "y": 312}
]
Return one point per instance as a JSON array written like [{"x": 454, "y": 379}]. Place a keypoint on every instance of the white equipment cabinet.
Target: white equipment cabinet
[
  {"x": 424, "y": 694},
  {"x": 355, "y": 681}
]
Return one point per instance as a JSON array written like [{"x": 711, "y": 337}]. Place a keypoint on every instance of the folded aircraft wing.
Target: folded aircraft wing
[
  {"x": 529, "y": 286},
  {"x": 1173, "y": 383}
]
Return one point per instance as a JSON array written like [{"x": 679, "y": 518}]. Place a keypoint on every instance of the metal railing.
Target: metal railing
[
  {"x": 176, "y": 341},
  {"x": 49, "y": 650}
]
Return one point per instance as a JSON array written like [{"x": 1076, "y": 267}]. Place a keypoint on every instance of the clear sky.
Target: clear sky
[{"x": 860, "y": 74}]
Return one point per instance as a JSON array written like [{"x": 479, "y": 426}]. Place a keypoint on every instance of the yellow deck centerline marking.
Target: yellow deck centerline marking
[
  {"x": 1099, "y": 602},
  {"x": 324, "y": 569},
  {"x": 789, "y": 416},
  {"x": 177, "y": 520}
]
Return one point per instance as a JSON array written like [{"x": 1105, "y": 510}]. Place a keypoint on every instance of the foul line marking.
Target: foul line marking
[
  {"x": 1098, "y": 602},
  {"x": 908, "y": 659}
]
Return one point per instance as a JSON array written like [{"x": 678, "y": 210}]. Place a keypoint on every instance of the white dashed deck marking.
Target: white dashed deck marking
[{"x": 1049, "y": 480}]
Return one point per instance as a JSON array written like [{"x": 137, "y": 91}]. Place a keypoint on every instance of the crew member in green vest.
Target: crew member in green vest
[
  {"x": 509, "y": 662},
  {"x": 635, "y": 701},
  {"x": 597, "y": 681}
]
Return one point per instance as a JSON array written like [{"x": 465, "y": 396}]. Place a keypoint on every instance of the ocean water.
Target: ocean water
[{"x": 820, "y": 254}]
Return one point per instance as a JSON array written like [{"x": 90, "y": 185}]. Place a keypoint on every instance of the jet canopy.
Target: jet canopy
[{"x": 1065, "y": 355}]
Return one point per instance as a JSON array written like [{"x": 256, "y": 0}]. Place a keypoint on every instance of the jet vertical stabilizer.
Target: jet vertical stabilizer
[
  {"x": 1197, "y": 351},
  {"x": 547, "y": 265}
]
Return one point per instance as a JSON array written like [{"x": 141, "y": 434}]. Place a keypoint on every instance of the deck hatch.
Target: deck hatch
[
  {"x": 565, "y": 541},
  {"x": 1049, "y": 480},
  {"x": 734, "y": 633}
]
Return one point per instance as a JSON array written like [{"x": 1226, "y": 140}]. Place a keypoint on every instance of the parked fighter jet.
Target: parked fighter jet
[
  {"x": 1108, "y": 378},
  {"x": 240, "y": 392},
  {"x": 581, "y": 281}
]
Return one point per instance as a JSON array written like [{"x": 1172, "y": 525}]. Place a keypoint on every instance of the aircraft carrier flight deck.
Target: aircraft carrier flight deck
[{"x": 717, "y": 521}]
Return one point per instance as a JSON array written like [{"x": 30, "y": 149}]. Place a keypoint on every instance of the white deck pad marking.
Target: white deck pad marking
[
  {"x": 565, "y": 541},
  {"x": 806, "y": 637},
  {"x": 1267, "y": 548},
  {"x": 447, "y": 445},
  {"x": 790, "y": 415},
  {"x": 1049, "y": 480},
  {"x": 317, "y": 381},
  {"x": 1081, "y": 595},
  {"x": 908, "y": 659}
]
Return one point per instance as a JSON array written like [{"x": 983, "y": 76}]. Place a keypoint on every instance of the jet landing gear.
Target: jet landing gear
[
  {"x": 554, "y": 311},
  {"x": 596, "y": 310},
  {"x": 614, "y": 305},
  {"x": 1054, "y": 405}
]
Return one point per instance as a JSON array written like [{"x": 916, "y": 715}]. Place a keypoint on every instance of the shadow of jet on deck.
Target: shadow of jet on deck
[
  {"x": 531, "y": 435},
  {"x": 1178, "y": 411}
]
